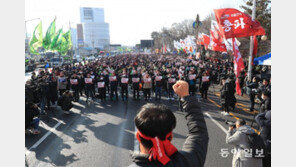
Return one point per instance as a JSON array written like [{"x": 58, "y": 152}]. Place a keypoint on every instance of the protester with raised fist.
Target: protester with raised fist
[{"x": 155, "y": 124}]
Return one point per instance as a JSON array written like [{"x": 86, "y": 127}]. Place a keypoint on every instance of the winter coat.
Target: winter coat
[
  {"x": 66, "y": 102},
  {"x": 62, "y": 82},
  {"x": 265, "y": 105},
  {"x": 250, "y": 87},
  {"x": 239, "y": 140},
  {"x": 53, "y": 90},
  {"x": 29, "y": 93},
  {"x": 227, "y": 94},
  {"x": 30, "y": 113},
  {"x": 204, "y": 85},
  {"x": 264, "y": 121},
  {"x": 194, "y": 149},
  {"x": 135, "y": 84},
  {"x": 147, "y": 85}
]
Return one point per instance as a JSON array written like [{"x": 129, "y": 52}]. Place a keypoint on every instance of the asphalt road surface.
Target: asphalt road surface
[{"x": 102, "y": 135}]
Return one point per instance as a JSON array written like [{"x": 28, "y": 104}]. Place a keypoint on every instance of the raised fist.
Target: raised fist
[{"x": 181, "y": 88}]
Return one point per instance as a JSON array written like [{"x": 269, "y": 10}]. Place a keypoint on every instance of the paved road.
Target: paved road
[{"x": 103, "y": 134}]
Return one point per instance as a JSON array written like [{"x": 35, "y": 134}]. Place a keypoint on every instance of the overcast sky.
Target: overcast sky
[{"x": 129, "y": 20}]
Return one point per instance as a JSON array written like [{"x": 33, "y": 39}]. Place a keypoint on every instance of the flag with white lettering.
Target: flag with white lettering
[{"x": 234, "y": 23}]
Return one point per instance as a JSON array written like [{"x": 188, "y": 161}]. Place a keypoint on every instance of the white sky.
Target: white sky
[{"x": 129, "y": 20}]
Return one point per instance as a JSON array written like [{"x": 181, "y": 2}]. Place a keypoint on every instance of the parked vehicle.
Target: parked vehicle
[{"x": 56, "y": 62}]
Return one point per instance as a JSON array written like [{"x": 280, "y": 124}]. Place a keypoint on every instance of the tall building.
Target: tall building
[
  {"x": 74, "y": 37},
  {"x": 80, "y": 40},
  {"x": 90, "y": 15},
  {"x": 95, "y": 30}
]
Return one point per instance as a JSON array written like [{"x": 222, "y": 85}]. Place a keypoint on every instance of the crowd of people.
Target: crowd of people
[{"x": 149, "y": 77}]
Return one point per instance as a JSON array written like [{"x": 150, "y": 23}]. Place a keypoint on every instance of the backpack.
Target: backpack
[{"x": 256, "y": 143}]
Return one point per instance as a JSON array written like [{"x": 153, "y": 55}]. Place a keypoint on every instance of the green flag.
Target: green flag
[
  {"x": 62, "y": 45},
  {"x": 120, "y": 49},
  {"x": 67, "y": 36},
  {"x": 37, "y": 39},
  {"x": 54, "y": 41},
  {"x": 50, "y": 33}
]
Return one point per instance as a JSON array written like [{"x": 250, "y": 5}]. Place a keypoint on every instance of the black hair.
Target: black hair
[
  {"x": 154, "y": 120},
  {"x": 266, "y": 93},
  {"x": 265, "y": 79}
]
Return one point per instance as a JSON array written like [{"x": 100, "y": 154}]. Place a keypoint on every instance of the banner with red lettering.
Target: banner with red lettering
[
  {"x": 238, "y": 65},
  {"x": 234, "y": 23}
]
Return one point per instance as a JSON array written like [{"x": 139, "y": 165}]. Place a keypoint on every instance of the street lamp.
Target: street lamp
[{"x": 251, "y": 43}]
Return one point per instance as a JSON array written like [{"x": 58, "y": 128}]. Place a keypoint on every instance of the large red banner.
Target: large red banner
[
  {"x": 234, "y": 23},
  {"x": 238, "y": 65},
  {"x": 216, "y": 38}
]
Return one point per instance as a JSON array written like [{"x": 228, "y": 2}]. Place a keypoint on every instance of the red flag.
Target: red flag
[
  {"x": 255, "y": 49},
  {"x": 203, "y": 39},
  {"x": 238, "y": 65},
  {"x": 216, "y": 45},
  {"x": 200, "y": 40},
  {"x": 206, "y": 40},
  {"x": 216, "y": 33},
  {"x": 234, "y": 23},
  {"x": 216, "y": 38}
]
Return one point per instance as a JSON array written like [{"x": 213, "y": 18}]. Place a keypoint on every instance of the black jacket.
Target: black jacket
[
  {"x": 264, "y": 121},
  {"x": 30, "y": 113},
  {"x": 194, "y": 151},
  {"x": 66, "y": 102},
  {"x": 265, "y": 105},
  {"x": 29, "y": 94}
]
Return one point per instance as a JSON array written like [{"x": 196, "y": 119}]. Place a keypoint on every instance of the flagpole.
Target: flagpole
[{"x": 251, "y": 43}]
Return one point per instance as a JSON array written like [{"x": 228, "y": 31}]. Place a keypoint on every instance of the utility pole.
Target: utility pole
[
  {"x": 251, "y": 43},
  {"x": 71, "y": 42}
]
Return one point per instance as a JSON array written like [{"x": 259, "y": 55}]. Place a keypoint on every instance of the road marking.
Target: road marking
[
  {"x": 217, "y": 123},
  {"x": 230, "y": 113},
  {"x": 214, "y": 102},
  {"x": 233, "y": 115},
  {"x": 43, "y": 138},
  {"x": 242, "y": 106}
]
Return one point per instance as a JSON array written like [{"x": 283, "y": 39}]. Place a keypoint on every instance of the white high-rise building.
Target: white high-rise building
[
  {"x": 95, "y": 30},
  {"x": 74, "y": 37}
]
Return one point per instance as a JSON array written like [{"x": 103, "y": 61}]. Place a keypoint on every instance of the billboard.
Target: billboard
[{"x": 147, "y": 43}]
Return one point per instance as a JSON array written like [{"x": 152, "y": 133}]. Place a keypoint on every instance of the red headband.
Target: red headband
[{"x": 161, "y": 149}]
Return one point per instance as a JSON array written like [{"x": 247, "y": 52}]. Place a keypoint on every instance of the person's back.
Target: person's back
[
  {"x": 155, "y": 125},
  {"x": 242, "y": 146}
]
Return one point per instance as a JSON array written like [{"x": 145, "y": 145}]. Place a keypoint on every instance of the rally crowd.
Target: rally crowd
[{"x": 153, "y": 76}]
